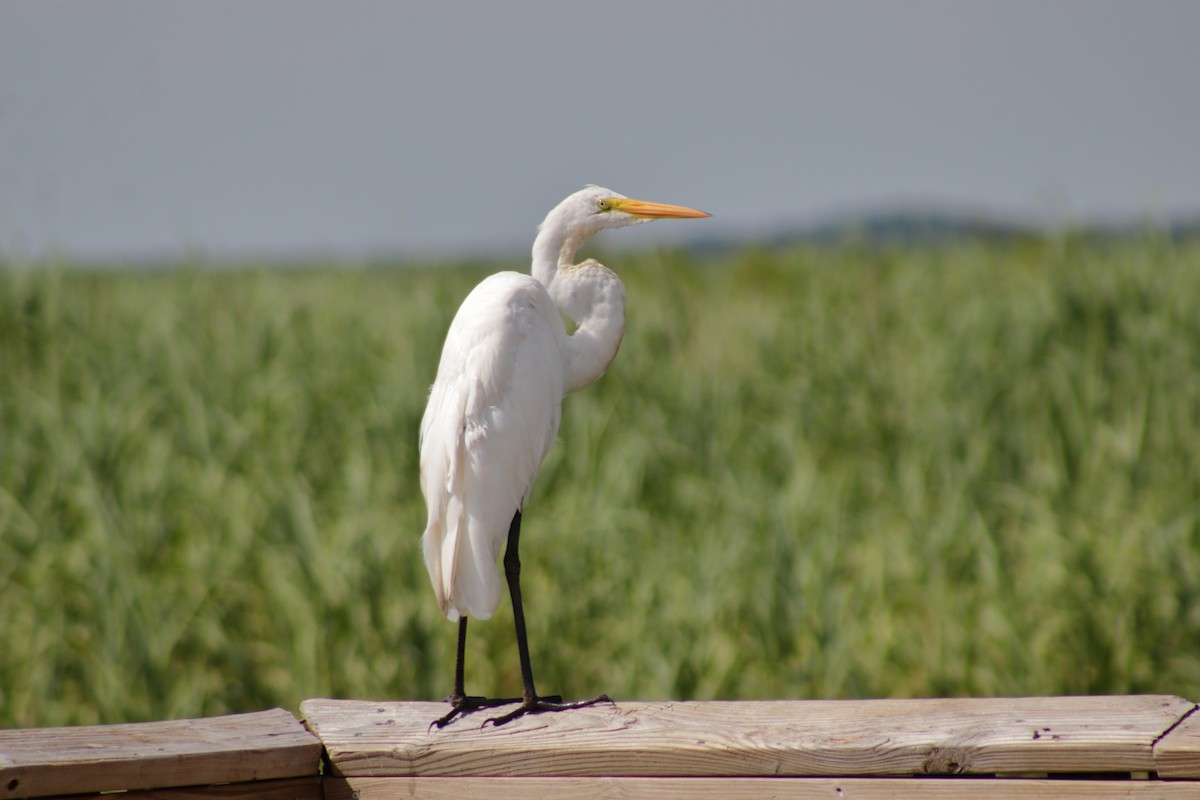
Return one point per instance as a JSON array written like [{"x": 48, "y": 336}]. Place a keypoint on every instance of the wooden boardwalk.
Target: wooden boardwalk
[
  {"x": 1042, "y": 747},
  {"x": 267, "y": 754}
]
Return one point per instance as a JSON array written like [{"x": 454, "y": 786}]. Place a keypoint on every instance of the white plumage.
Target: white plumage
[
  {"x": 495, "y": 405},
  {"x": 492, "y": 416}
]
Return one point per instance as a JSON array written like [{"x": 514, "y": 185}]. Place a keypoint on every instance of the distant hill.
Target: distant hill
[{"x": 907, "y": 227}]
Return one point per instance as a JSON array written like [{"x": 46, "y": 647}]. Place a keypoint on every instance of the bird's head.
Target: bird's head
[{"x": 594, "y": 208}]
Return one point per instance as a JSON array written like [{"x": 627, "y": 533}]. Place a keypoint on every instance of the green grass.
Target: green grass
[{"x": 811, "y": 473}]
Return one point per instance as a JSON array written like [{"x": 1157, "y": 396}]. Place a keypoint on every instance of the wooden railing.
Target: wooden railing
[
  {"x": 262, "y": 755},
  {"x": 1040, "y": 747}
]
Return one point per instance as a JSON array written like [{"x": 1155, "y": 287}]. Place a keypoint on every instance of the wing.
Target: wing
[{"x": 493, "y": 413}]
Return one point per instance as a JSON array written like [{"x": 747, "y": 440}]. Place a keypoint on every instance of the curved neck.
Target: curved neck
[
  {"x": 553, "y": 250},
  {"x": 590, "y": 294},
  {"x": 593, "y": 296}
]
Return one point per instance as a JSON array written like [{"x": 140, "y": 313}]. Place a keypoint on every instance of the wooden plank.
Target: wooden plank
[
  {"x": 750, "y": 789},
  {"x": 1178, "y": 752},
  {"x": 282, "y": 789},
  {"x": 152, "y": 755},
  {"x": 771, "y": 738}
]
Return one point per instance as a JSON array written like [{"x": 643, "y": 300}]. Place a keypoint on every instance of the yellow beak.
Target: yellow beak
[{"x": 648, "y": 210}]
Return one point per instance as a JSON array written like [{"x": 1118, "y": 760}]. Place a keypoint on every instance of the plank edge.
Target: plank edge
[
  {"x": 739, "y": 788},
  {"x": 1177, "y": 750}
]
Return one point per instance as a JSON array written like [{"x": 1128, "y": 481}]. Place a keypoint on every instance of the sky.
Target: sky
[{"x": 246, "y": 128}]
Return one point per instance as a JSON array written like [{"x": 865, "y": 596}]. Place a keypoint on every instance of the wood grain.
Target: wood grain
[
  {"x": 154, "y": 755},
  {"x": 282, "y": 789},
  {"x": 1178, "y": 752},
  {"x": 963, "y": 736},
  {"x": 749, "y": 788}
]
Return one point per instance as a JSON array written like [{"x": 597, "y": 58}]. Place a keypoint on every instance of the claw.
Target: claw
[
  {"x": 460, "y": 705},
  {"x": 539, "y": 705}
]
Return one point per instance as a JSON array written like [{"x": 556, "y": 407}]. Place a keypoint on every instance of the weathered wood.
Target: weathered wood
[
  {"x": 768, "y": 738},
  {"x": 154, "y": 755},
  {"x": 750, "y": 789},
  {"x": 281, "y": 789},
  {"x": 1178, "y": 752}
]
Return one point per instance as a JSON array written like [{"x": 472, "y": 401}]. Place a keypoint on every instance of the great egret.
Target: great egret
[{"x": 494, "y": 409}]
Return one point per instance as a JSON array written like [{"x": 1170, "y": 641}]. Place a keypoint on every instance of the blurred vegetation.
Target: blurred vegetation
[{"x": 812, "y": 472}]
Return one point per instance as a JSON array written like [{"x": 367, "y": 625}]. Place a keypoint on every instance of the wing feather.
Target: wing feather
[{"x": 493, "y": 413}]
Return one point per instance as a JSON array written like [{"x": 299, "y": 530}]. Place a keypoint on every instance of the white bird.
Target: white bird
[{"x": 494, "y": 410}]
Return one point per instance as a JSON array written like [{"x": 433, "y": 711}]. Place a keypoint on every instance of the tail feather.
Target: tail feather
[
  {"x": 459, "y": 544},
  {"x": 431, "y": 544},
  {"x": 441, "y": 482},
  {"x": 477, "y": 592},
  {"x": 462, "y": 567}
]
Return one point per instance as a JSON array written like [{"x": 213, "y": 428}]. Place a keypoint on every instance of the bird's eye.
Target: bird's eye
[{"x": 602, "y": 204}]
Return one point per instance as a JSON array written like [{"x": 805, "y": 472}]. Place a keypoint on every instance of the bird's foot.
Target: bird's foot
[
  {"x": 461, "y": 705},
  {"x": 539, "y": 705}
]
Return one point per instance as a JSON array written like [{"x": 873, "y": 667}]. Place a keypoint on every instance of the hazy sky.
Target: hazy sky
[{"x": 352, "y": 127}]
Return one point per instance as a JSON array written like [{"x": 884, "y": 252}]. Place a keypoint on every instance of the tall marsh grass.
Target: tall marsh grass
[{"x": 835, "y": 472}]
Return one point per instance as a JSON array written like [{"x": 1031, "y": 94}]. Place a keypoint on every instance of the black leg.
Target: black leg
[
  {"x": 458, "y": 698},
  {"x": 459, "y": 691},
  {"x": 460, "y": 702},
  {"x": 530, "y": 702},
  {"x": 512, "y": 572}
]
